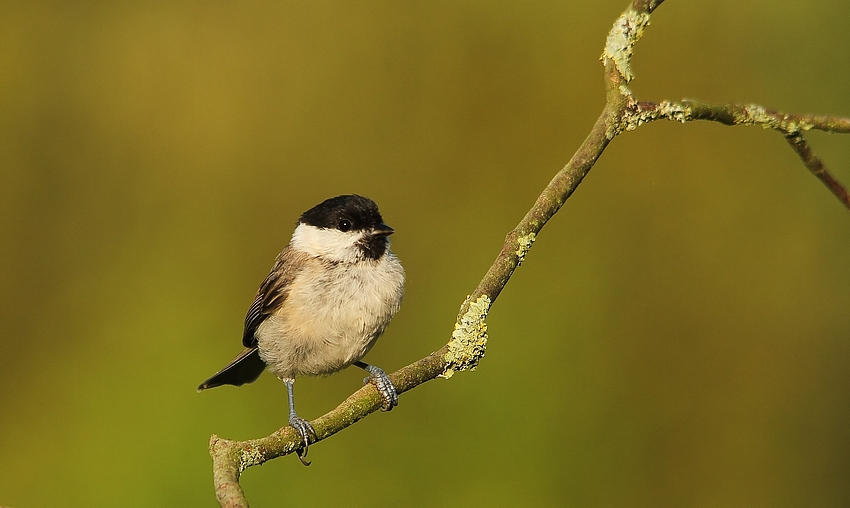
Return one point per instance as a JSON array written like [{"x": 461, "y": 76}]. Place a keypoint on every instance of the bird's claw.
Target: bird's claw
[
  {"x": 305, "y": 430},
  {"x": 385, "y": 387}
]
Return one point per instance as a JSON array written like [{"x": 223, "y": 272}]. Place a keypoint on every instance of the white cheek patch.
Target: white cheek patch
[{"x": 330, "y": 244}]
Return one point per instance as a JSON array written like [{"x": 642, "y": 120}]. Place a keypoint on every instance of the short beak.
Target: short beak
[{"x": 382, "y": 230}]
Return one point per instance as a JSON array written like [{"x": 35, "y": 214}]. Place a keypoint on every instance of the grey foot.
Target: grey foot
[
  {"x": 382, "y": 382},
  {"x": 305, "y": 430}
]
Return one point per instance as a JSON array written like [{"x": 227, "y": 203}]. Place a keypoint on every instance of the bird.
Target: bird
[{"x": 330, "y": 295}]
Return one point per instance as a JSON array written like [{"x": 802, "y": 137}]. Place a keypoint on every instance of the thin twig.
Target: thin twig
[
  {"x": 791, "y": 126},
  {"x": 816, "y": 166}
]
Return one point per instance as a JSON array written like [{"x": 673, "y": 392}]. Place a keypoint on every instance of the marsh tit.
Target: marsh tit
[{"x": 330, "y": 294}]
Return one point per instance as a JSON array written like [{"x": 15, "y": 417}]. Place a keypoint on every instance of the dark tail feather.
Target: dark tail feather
[{"x": 245, "y": 368}]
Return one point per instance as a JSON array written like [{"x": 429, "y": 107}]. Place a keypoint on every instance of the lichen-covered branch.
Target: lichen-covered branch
[
  {"x": 231, "y": 458},
  {"x": 792, "y": 126},
  {"x": 732, "y": 114},
  {"x": 468, "y": 341}
]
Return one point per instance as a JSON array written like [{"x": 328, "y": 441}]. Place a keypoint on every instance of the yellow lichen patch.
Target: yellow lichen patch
[
  {"x": 758, "y": 115},
  {"x": 250, "y": 456},
  {"x": 622, "y": 38},
  {"x": 524, "y": 243},
  {"x": 633, "y": 119},
  {"x": 469, "y": 338},
  {"x": 675, "y": 112}
]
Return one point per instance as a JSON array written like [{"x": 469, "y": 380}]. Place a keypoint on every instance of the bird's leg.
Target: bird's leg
[
  {"x": 383, "y": 384},
  {"x": 299, "y": 424}
]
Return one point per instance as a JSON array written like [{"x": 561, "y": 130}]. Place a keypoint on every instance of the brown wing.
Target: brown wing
[{"x": 272, "y": 293}]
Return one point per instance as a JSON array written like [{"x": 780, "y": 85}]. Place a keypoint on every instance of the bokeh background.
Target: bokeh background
[{"x": 678, "y": 336}]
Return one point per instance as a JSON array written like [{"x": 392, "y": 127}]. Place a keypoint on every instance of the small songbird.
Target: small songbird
[{"x": 330, "y": 294}]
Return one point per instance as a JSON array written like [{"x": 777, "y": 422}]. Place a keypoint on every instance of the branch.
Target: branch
[
  {"x": 469, "y": 338},
  {"x": 626, "y": 114},
  {"x": 817, "y": 167},
  {"x": 789, "y": 125}
]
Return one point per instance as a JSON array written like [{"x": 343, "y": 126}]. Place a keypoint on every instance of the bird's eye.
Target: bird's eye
[{"x": 344, "y": 225}]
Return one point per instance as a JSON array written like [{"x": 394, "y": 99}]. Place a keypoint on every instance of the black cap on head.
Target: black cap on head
[
  {"x": 352, "y": 213},
  {"x": 346, "y": 213}
]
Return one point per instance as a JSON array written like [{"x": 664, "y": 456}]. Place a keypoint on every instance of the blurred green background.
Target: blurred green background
[{"x": 678, "y": 336}]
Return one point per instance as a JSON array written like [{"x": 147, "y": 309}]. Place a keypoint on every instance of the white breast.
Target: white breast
[{"x": 332, "y": 316}]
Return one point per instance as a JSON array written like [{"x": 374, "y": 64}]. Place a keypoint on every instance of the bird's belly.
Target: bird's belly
[
  {"x": 313, "y": 348},
  {"x": 329, "y": 323}
]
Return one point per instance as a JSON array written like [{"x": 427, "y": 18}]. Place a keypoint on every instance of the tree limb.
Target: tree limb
[
  {"x": 789, "y": 125},
  {"x": 469, "y": 338}
]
